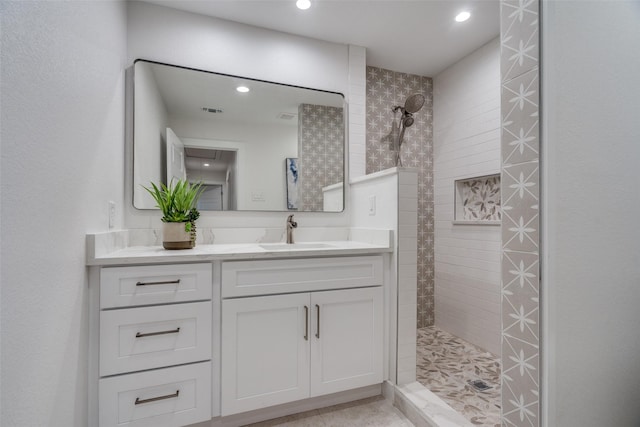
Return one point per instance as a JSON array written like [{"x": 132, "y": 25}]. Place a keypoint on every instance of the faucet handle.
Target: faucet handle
[{"x": 291, "y": 222}]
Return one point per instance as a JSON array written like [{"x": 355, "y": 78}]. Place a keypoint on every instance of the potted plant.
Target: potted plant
[{"x": 177, "y": 202}]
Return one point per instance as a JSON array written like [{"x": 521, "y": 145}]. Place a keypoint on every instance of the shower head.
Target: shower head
[
  {"x": 414, "y": 103},
  {"x": 407, "y": 121}
]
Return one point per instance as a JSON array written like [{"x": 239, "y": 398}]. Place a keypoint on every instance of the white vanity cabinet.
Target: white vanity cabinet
[
  {"x": 229, "y": 335},
  {"x": 153, "y": 349},
  {"x": 295, "y": 345}
]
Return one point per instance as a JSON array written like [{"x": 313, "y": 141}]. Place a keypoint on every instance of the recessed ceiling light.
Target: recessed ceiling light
[
  {"x": 242, "y": 89},
  {"x": 303, "y": 4},
  {"x": 206, "y": 164},
  {"x": 462, "y": 16}
]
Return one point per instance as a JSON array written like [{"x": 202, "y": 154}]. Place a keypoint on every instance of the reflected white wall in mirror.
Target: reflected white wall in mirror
[{"x": 236, "y": 143}]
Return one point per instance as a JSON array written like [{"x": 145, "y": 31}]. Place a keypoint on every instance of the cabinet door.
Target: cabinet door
[
  {"x": 265, "y": 355},
  {"x": 346, "y": 340}
]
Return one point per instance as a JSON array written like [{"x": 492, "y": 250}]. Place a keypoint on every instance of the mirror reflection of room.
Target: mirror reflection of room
[
  {"x": 236, "y": 135},
  {"x": 214, "y": 168}
]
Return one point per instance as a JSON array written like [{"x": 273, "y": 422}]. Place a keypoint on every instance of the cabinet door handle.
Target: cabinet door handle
[
  {"x": 306, "y": 323},
  {"x": 164, "y": 282},
  {"x": 155, "y": 399},
  {"x": 151, "y": 334},
  {"x": 318, "y": 321}
]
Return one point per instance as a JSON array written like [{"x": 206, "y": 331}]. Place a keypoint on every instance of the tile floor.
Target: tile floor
[
  {"x": 372, "y": 412},
  {"x": 446, "y": 363}
]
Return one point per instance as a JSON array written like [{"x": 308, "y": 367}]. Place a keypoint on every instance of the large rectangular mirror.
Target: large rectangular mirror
[{"x": 271, "y": 148}]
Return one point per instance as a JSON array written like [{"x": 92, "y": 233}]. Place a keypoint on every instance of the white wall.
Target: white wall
[
  {"x": 165, "y": 35},
  {"x": 591, "y": 237},
  {"x": 466, "y": 143},
  {"x": 62, "y": 161},
  {"x": 260, "y": 161}
]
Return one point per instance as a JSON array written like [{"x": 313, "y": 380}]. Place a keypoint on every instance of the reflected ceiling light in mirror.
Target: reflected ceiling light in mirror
[
  {"x": 242, "y": 89},
  {"x": 463, "y": 16},
  {"x": 303, "y": 4},
  {"x": 243, "y": 131}
]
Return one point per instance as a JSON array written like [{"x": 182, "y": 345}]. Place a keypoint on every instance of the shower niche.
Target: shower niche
[{"x": 477, "y": 201}]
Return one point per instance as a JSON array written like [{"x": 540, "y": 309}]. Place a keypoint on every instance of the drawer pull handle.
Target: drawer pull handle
[
  {"x": 155, "y": 399},
  {"x": 318, "y": 322},
  {"x": 306, "y": 323},
  {"x": 164, "y": 282},
  {"x": 151, "y": 334}
]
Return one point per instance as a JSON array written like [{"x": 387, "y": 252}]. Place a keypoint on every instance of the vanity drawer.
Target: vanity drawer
[
  {"x": 167, "y": 397},
  {"x": 156, "y": 284},
  {"x": 245, "y": 278},
  {"x": 136, "y": 339}
]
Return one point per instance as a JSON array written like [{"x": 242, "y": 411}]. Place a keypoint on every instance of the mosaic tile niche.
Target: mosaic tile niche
[
  {"x": 320, "y": 152},
  {"x": 386, "y": 89},
  {"x": 478, "y": 199}
]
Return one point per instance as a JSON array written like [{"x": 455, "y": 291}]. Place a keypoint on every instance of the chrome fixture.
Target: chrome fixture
[
  {"x": 291, "y": 224},
  {"x": 412, "y": 105}
]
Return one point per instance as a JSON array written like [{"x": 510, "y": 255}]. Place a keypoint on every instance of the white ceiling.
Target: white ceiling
[
  {"x": 411, "y": 36},
  {"x": 185, "y": 92}
]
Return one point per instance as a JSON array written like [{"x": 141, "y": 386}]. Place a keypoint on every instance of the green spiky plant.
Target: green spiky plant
[{"x": 177, "y": 201}]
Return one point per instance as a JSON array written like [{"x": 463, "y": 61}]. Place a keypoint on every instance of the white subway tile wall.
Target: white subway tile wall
[
  {"x": 407, "y": 276},
  {"x": 467, "y": 144},
  {"x": 357, "y": 111}
]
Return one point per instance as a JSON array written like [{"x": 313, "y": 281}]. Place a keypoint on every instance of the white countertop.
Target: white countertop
[{"x": 211, "y": 252}]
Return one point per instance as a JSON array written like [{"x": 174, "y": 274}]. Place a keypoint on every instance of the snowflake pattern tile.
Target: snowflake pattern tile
[
  {"x": 386, "y": 89},
  {"x": 519, "y": 38},
  {"x": 320, "y": 152},
  {"x": 519, "y": 53}
]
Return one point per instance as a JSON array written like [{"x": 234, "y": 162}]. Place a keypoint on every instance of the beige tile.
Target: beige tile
[
  {"x": 372, "y": 412},
  {"x": 385, "y": 89},
  {"x": 520, "y": 153},
  {"x": 520, "y": 219},
  {"x": 369, "y": 412},
  {"x": 520, "y": 118},
  {"x": 446, "y": 363},
  {"x": 520, "y": 274},
  {"x": 519, "y": 41},
  {"x": 304, "y": 419}
]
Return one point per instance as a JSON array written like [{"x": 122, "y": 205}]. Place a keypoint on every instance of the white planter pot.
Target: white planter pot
[{"x": 174, "y": 236}]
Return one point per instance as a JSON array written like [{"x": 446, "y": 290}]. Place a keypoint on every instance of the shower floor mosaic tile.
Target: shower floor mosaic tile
[{"x": 445, "y": 366}]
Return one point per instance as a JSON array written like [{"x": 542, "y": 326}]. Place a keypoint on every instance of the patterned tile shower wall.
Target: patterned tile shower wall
[
  {"x": 386, "y": 89},
  {"x": 519, "y": 55},
  {"x": 320, "y": 152}
]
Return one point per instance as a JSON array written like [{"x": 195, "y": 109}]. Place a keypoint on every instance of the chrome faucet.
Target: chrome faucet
[{"x": 291, "y": 224}]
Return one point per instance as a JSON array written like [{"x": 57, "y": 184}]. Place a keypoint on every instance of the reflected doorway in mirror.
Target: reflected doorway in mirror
[{"x": 291, "y": 168}]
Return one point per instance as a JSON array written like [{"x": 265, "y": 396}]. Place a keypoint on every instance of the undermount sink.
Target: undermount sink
[{"x": 295, "y": 246}]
